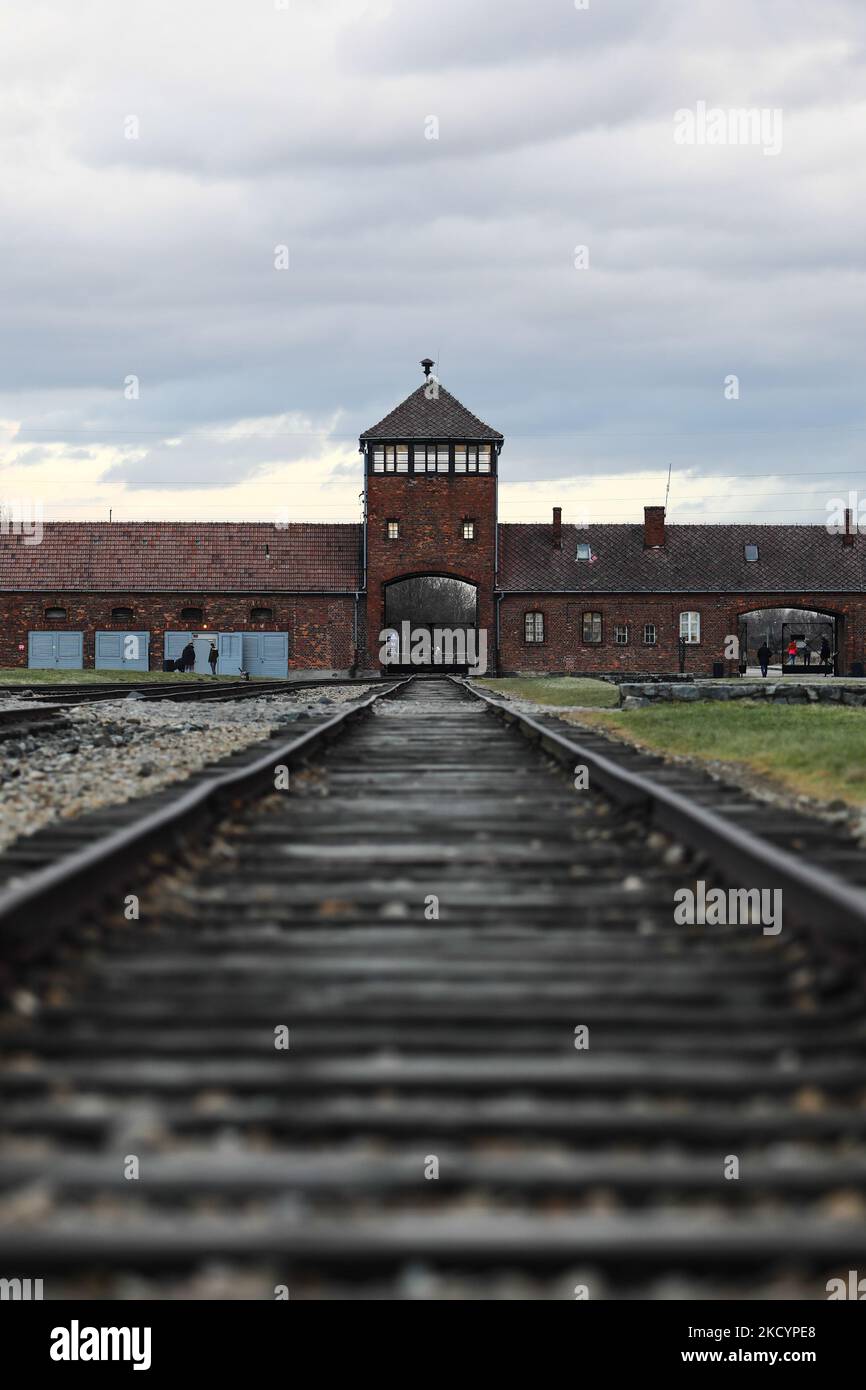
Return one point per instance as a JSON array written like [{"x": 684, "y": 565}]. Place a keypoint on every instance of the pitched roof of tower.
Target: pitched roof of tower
[{"x": 439, "y": 416}]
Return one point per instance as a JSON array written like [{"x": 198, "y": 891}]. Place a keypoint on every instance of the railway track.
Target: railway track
[
  {"x": 205, "y": 691},
  {"x": 433, "y": 913}
]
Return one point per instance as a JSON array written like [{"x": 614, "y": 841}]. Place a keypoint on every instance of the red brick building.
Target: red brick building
[{"x": 429, "y": 551}]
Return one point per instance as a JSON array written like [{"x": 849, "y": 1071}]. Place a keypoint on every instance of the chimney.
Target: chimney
[
  {"x": 653, "y": 527},
  {"x": 848, "y": 537},
  {"x": 557, "y": 528}
]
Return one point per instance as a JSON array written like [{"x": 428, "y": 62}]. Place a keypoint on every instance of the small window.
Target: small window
[
  {"x": 192, "y": 615},
  {"x": 649, "y": 634},
  {"x": 55, "y": 615},
  {"x": 583, "y": 551},
  {"x": 592, "y": 629},
  {"x": 751, "y": 553},
  {"x": 620, "y": 634},
  {"x": 533, "y": 627},
  {"x": 393, "y": 530},
  {"x": 469, "y": 530},
  {"x": 483, "y": 458},
  {"x": 442, "y": 458},
  {"x": 690, "y": 627},
  {"x": 121, "y": 615},
  {"x": 261, "y": 615}
]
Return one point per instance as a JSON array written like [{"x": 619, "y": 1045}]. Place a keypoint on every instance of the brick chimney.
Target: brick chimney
[
  {"x": 848, "y": 537},
  {"x": 556, "y": 532},
  {"x": 653, "y": 526}
]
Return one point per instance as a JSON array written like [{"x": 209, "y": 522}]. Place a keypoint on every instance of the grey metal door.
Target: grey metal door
[
  {"x": 122, "y": 651},
  {"x": 58, "y": 650}
]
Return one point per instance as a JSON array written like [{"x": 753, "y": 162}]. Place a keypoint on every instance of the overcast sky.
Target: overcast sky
[{"x": 308, "y": 127}]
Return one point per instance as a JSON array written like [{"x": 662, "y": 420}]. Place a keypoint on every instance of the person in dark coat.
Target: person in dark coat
[
  {"x": 764, "y": 655},
  {"x": 213, "y": 657},
  {"x": 825, "y": 654},
  {"x": 187, "y": 658}
]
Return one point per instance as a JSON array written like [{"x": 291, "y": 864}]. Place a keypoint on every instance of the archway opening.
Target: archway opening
[
  {"x": 801, "y": 642},
  {"x": 432, "y": 623}
]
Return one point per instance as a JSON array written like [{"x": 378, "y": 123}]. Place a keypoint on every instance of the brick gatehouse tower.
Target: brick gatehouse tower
[{"x": 430, "y": 493}]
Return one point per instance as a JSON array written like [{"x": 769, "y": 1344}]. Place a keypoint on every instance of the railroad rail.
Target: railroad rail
[
  {"x": 509, "y": 1072},
  {"x": 205, "y": 690}
]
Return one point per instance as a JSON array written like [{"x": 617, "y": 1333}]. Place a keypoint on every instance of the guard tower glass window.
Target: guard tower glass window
[
  {"x": 471, "y": 458},
  {"x": 690, "y": 627},
  {"x": 393, "y": 530},
  {"x": 391, "y": 458},
  {"x": 592, "y": 629},
  {"x": 533, "y": 627},
  {"x": 469, "y": 530},
  {"x": 442, "y": 458}
]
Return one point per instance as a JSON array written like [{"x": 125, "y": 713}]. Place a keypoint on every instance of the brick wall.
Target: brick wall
[
  {"x": 319, "y": 627},
  {"x": 564, "y": 650},
  {"x": 431, "y": 510}
]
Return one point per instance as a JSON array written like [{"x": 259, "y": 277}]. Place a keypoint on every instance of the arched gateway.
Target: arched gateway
[{"x": 431, "y": 622}]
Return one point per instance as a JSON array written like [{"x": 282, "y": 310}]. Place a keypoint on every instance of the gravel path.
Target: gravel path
[{"x": 126, "y": 748}]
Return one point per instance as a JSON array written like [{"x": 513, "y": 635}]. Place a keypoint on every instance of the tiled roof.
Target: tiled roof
[
  {"x": 694, "y": 559},
  {"x": 214, "y": 557},
  {"x": 437, "y": 417}
]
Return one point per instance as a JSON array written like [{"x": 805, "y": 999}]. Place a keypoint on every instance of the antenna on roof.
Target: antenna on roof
[
  {"x": 109, "y": 514},
  {"x": 668, "y": 488}
]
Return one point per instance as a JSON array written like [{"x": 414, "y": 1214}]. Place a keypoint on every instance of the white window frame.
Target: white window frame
[
  {"x": 617, "y": 629},
  {"x": 690, "y": 627},
  {"x": 468, "y": 527},
  {"x": 395, "y": 534},
  {"x": 650, "y": 641},
  {"x": 532, "y": 629}
]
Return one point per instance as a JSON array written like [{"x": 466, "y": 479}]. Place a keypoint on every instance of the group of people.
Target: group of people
[
  {"x": 186, "y": 660},
  {"x": 797, "y": 646}
]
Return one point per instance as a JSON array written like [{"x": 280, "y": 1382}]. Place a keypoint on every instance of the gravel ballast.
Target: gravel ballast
[{"x": 120, "y": 749}]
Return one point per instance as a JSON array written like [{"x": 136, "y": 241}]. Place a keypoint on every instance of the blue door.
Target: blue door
[
  {"x": 62, "y": 651},
  {"x": 231, "y": 650},
  {"x": 266, "y": 653},
  {"x": 122, "y": 651}
]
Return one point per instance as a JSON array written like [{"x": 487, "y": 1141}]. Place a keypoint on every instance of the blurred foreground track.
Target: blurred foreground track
[{"x": 421, "y": 1043}]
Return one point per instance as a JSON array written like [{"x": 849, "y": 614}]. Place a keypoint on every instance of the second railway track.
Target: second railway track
[{"x": 433, "y": 914}]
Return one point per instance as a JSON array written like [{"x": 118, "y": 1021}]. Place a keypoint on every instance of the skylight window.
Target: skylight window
[
  {"x": 751, "y": 552},
  {"x": 583, "y": 550}
]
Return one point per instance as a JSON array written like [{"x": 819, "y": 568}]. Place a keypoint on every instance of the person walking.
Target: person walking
[
  {"x": 213, "y": 657},
  {"x": 792, "y": 653},
  {"x": 764, "y": 655},
  {"x": 825, "y": 655},
  {"x": 187, "y": 657}
]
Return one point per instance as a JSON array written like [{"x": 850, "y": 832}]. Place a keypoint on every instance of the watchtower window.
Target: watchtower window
[
  {"x": 391, "y": 458},
  {"x": 471, "y": 458}
]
